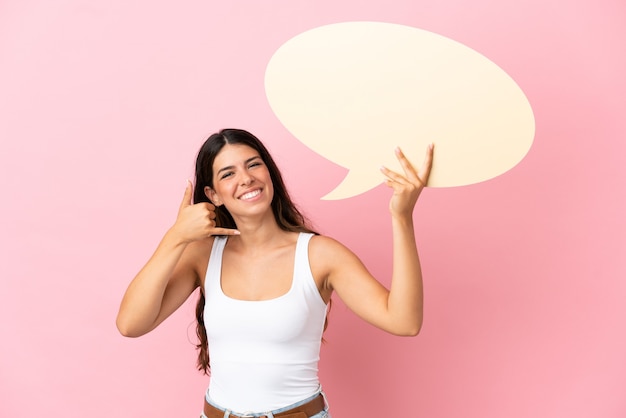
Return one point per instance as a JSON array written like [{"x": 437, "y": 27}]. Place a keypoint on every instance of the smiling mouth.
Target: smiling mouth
[{"x": 250, "y": 195}]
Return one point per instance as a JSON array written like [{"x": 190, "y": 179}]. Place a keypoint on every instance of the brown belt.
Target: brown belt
[{"x": 314, "y": 406}]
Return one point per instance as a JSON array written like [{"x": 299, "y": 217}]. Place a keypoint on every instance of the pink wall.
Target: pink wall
[{"x": 103, "y": 106}]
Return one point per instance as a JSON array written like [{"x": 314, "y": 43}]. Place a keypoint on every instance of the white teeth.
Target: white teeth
[{"x": 250, "y": 195}]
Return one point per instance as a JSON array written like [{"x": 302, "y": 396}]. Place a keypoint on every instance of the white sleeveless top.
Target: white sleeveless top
[{"x": 263, "y": 354}]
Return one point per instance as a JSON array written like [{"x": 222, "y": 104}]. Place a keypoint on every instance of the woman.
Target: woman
[{"x": 266, "y": 280}]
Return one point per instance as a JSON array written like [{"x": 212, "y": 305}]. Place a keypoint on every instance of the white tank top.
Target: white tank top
[{"x": 264, "y": 354}]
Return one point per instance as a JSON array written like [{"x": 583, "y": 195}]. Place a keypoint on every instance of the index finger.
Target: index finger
[{"x": 408, "y": 168}]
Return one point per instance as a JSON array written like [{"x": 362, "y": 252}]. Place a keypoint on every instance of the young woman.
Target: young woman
[{"x": 266, "y": 280}]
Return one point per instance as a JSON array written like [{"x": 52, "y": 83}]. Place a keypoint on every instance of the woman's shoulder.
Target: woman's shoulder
[
  {"x": 330, "y": 258},
  {"x": 201, "y": 247},
  {"x": 197, "y": 254},
  {"x": 323, "y": 247}
]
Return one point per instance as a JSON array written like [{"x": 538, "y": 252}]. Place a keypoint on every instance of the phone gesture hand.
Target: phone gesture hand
[{"x": 197, "y": 221}]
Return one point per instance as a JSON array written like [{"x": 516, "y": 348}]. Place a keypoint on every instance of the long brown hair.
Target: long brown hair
[{"x": 287, "y": 215}]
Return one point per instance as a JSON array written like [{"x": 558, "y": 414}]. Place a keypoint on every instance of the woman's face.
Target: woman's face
[{"x": 241, "y": 181}]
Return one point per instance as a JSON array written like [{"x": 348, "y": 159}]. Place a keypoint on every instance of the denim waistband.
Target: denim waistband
[{"x": 269, "y": 414}]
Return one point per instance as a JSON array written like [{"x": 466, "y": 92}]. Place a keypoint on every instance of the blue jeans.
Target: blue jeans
[{"x": 270, "y": 414}]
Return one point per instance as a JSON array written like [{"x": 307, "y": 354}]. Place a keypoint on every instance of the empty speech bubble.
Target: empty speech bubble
[{"x": 354, "y": 91}]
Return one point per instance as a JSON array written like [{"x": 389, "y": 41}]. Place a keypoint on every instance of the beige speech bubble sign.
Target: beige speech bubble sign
[{"x": 354, "y": 91}]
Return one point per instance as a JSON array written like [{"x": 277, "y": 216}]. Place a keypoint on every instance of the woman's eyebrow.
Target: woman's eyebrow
[{"x": 230, "y": 167}]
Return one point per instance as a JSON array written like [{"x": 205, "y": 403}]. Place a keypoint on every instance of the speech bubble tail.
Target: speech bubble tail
[{"x": 352, "y": 185}]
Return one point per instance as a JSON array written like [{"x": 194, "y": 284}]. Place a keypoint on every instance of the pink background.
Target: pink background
[{"x": 103, "y": 106}]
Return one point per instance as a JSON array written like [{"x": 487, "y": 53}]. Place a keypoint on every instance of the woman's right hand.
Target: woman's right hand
[{"x": 197, "y": 221}]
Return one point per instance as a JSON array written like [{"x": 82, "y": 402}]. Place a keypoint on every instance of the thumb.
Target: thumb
[{"x": 187, "y": 197}]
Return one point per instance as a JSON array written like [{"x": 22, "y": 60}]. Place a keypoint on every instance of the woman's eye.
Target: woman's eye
[
  {"x": 254, "y": 164},
  {"x": 227, "y": 174}
]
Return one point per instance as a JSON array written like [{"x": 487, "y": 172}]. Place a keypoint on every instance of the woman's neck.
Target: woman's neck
[{"x": 257, "y": 235}]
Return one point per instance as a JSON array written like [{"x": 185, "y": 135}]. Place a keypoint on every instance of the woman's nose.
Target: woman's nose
[{"x": 246, "y": 179}]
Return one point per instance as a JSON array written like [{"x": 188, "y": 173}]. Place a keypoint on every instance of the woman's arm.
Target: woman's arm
[
  {"x": 171, "y": 274},
  {"x": 398, "y": 310}
]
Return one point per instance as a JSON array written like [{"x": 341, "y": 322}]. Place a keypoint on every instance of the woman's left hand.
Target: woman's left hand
[{"x": 407, "y": 187}]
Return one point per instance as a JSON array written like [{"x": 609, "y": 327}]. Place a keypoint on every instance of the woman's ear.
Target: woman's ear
[{"x": 213, "y": 197}]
